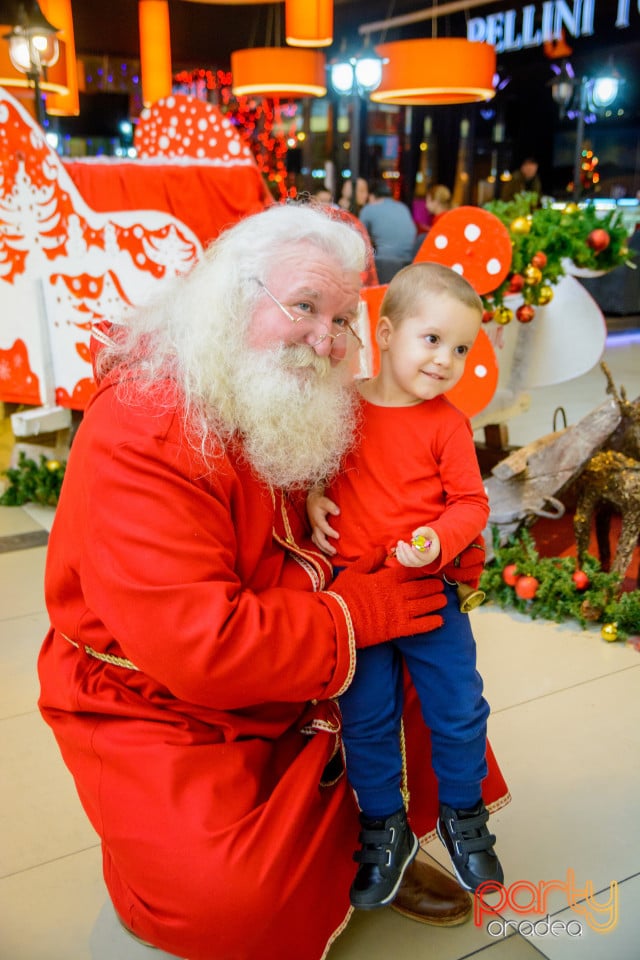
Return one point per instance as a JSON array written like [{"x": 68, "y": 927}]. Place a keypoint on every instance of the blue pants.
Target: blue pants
[{"x": 442, "y": 666}]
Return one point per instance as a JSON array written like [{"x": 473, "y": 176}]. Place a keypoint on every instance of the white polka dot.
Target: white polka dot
[
  {"x": 493, "y": 266},
  {"x": 480, "y": 371},
  {"x": 202, "y": 124},
  {"x": 173, "y": 121},
  {"x": 471, "y": 232},
  {"x": 170, "y": 102},
  {"x": 441, "y": 241},
  {"x": 234, "y": 147},
  {"x": 163, "y": 142},
  {"x": 458, "y": 268}
]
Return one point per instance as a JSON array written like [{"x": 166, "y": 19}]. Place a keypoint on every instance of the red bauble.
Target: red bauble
[
  {"x": 487, "y": 316},
  {"x": 598, "y": 240},
  {"x": 527, "y": 587},
  {"x": 525, "y": 313},
  {"x": 539, "y": 260},
  {"x": 516, "y": 283},
  {"x": 580, "y": 579},
  {"x": 510, "y": 574}
]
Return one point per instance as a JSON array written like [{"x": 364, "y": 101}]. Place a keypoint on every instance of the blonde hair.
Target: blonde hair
[
  {"x": 440, "y": 194},
  {"x": 417, "y": 282}
]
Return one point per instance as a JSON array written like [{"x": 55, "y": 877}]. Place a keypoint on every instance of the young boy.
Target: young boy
[{"x": 413, "y": 485}]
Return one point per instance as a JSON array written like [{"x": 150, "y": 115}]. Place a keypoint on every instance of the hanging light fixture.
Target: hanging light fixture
[
  {"x": 33, "y": 48},
  {"x": 278, "y": 72},
  {"x": 155, "y": 50},
  {"x": 65, "y": 104},
  {"x": 309, "y": 23},
  {"x": 435, "y": 71}
]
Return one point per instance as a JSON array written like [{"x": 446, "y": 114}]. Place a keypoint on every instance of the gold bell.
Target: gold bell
[{"x": 468, "y": 598}]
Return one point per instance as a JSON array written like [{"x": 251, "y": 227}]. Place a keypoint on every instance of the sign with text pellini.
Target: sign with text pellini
[{"x": 535, "y": 24}]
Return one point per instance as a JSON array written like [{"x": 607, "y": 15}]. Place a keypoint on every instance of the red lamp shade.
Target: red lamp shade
[
  {"x": 278, "y": 72},
  {"x": 155, "y": 50},
  {"x": 435, "y": 71},
  {"x": 309, "y": 23},
  {"x": 64, "y": 104}
]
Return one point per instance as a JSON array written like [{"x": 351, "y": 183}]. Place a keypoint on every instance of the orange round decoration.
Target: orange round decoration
[
  {"x": 475, "y": 389},
  {"x": 474, "y": 243}
]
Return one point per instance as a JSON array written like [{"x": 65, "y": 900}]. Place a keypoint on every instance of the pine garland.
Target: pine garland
[
  {"x": 557, "y": 234},
  {"x": 29, "y": 481},
  {"x": 557, "y": 597}
]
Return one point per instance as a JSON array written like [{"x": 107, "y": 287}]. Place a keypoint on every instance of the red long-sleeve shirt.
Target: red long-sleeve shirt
[{"x": 414, "y": 466}]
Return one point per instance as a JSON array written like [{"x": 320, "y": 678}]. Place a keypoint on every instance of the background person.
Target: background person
[
  {"x": 197, "y": 643},
  {"x": 389, "y": 224},
  {"x": 523, "y": 180}
]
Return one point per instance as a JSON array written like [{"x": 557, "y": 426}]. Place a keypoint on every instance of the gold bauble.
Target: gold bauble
[
  {"x": 520, "y": 225},
  {"x": 532, "y": 275},
  {"x": 53, "y": 465},
  {"x": 570, "y": 208},
  {"x": 545, "y": 295},
  {"x": 609, "y": 632},
  {"x": 503, "y": 315}
]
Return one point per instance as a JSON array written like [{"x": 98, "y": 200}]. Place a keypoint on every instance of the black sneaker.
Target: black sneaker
[
  {"x": 388, "y": 847},
  {"x": 470, "y": 845}
]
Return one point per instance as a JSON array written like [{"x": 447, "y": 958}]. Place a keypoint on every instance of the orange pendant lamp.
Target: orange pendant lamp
[
  {"x": 64, "y": 104},
  {"x": 309, "y": 23},
  {"x": 278, "y": 72},
  {"x": 437, "y": 71},
  {"x": 155, "y": 50}
]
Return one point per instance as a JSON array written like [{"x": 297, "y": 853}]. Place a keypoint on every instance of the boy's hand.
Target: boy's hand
[
  {"x": 319, "y": 508},
  {"x": 423, "y": 549}
]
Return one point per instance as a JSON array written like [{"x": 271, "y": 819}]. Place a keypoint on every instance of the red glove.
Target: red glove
[
  {"x": 467, "y": 567},
  {"x": 388, "y": 602}
]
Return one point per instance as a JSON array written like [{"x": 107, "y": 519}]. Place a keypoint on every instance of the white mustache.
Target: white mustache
[{"x": 300, "y": 356}]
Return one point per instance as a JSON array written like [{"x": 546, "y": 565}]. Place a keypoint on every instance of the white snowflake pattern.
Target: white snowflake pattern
[{"x": 171, "y": 251}]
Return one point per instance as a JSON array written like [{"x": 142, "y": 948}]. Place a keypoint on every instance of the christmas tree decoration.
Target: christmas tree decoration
[
  {"x": 487, "y": 316},
  {"x": 503, "y": 315},
  {"x": 557, "y": 596},
  {"x": 539, "y": 260},
  {"x": 521, "y": 225},
  {"x": 580, "y": 579},
  {"x": 609, "y": 632},
  {"x": 510, "y": 574},
  {"x": 516, "y": 283},
  {"x": 598, "y": 240},
  {"x": 532, "y": 275},
  {"x": 525, "y": 313},
  {"x": 545, "y": 295},
  {"x": 526, "y": 587}
]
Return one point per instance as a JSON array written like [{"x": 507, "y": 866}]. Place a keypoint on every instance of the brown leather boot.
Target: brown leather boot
[{"x": 429, "y": 895}]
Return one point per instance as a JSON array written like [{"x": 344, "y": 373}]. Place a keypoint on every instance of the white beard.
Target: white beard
[{"x": 295, "y": 414}]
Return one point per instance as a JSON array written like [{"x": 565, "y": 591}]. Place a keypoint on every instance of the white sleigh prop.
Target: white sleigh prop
[{"x": 65, "y": 269}]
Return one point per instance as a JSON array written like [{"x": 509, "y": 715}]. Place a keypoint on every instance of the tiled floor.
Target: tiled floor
[{"x": 565, "y": 726}]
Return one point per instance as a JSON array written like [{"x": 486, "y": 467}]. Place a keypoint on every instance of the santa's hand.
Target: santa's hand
[
  {"x": 319, "y": 508},
  {"x": 388, "y": 602}
]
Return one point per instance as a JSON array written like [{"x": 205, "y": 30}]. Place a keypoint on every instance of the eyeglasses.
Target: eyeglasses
[{"x": 338, "y": 346}]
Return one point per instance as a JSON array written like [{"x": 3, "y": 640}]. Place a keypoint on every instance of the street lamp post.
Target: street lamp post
[
  {"x": 33, "y": 46},
  {"x": 582, "y": 98},
  {"x": 356, "y": 77}
]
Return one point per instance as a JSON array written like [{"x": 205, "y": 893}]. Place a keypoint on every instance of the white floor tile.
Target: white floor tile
[
  {"x": 21, "y": 583},
  {"x": 48, "y": 913},
  {"x": 39, "y": 808},
  {"x": 20, "y": 641}
]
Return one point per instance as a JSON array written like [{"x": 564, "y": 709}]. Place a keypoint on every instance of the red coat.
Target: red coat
[{"x": 199, "y": 733}]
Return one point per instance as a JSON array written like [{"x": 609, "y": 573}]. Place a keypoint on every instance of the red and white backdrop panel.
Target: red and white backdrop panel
[
  {"x": 83, "y": 251},
  {"x": 65, "y": 267}
]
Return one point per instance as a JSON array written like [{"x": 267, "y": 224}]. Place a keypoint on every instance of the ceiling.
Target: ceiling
[{"x": 205, "y": 33}]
